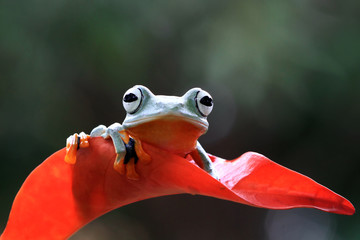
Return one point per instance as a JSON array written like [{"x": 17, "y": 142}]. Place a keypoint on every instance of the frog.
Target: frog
[{"x": 171, "y": 123}]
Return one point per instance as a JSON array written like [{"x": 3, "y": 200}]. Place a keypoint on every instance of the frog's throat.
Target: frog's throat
[{"x": 199, "y": 123}]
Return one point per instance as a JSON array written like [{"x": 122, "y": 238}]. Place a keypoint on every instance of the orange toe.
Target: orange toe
[
  {"x": 130, "y": 170},
  {"x": 71, "y": 149},
  {"x": 119, "y": 166}
]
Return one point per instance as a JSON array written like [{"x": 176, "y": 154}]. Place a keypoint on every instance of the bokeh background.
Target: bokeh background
[{"x": 284, "y": 76}]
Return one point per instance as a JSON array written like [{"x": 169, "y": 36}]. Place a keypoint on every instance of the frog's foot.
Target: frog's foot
[
  {"x": 126, "y": 150},
  {"x": 73, "y": 143},
  {"x": 127, "y": 169},
  {"x": 142, "y": 155},
  {"x": 126, "y": 165}
]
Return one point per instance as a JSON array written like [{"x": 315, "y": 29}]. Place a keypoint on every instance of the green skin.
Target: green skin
[{"x": 149, "y": 107}]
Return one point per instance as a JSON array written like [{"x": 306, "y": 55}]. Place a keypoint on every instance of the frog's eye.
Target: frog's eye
[
  {"x": 132, "y": 100},
  {"x": 204, "y": 103}
]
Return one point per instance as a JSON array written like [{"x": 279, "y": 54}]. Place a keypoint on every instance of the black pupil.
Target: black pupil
[
  {"x": 207, "y": 101},
  {"x": 130, "y": 97}
]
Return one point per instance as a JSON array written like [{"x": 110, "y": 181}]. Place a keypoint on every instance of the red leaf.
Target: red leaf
[
  {"x": 266, "y": 184},
  {"x": 57, "y": 198}
]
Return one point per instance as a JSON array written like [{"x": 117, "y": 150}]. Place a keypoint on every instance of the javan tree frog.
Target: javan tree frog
[{"x": 168, "y": 122}]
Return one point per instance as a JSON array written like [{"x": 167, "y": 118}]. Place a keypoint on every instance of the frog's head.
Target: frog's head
[{"x": 170, "y": 122}]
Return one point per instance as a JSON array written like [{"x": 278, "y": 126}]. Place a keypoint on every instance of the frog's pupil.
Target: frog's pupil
[
  {"x": 207, "y": 101},
  {"x": 130, "y": 97}
]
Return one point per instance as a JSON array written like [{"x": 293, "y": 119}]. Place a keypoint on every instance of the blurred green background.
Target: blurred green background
[{"x": 284, "y": 76}]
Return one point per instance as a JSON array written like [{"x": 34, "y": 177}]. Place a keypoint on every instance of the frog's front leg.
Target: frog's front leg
[
  {"x": 203, "y": 160},
  {"x": 124, "y": 148},
  {"x": 116, "y": 132}
]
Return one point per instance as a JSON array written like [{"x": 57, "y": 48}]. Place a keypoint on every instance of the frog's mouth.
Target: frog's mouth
[
  {"x": 177, "y": 134},
  {"x": 166, "y": 117}
]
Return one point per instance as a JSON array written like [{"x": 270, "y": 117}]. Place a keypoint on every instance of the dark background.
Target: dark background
[{"x": 284, "y": 76}]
